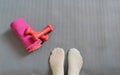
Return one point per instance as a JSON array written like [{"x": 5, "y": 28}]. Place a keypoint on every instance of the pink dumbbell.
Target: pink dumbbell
[{"x": 43, "y": 35}]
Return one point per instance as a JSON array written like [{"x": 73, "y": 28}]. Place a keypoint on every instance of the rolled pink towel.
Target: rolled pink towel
[{"x": 19, "y": 26}]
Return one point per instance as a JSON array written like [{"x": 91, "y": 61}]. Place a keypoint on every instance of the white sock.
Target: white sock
[
  {"x": 75, "y": 62},
  {"x": 57, "y": 61}
]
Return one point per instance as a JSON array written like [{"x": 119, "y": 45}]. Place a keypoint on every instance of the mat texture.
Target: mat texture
[{"x": 92, "y": 26}]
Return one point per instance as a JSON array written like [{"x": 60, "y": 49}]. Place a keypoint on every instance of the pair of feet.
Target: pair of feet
[{"x": 56, "y": 61}]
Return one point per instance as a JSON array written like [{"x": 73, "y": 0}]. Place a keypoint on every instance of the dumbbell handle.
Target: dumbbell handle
[{"x": 40, "y": 35}]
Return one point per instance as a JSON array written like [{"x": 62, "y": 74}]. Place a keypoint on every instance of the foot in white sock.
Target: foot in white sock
[
  {"x": 57, "y": 61},
  {"x": 75, "y": 62}
]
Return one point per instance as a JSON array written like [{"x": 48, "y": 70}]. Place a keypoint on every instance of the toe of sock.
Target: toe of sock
[
  {"x": 74, "y": 50},
  {"x": 58, "y": 50}
]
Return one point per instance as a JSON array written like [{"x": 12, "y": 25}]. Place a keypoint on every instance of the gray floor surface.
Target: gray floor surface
[{"x": 92, "y": 26}]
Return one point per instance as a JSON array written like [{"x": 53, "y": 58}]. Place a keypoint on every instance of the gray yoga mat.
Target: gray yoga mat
[{"x": 92, "y": 26}]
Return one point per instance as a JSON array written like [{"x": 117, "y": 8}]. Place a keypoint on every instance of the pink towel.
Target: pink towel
[{"x": 19, "y": 26}]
